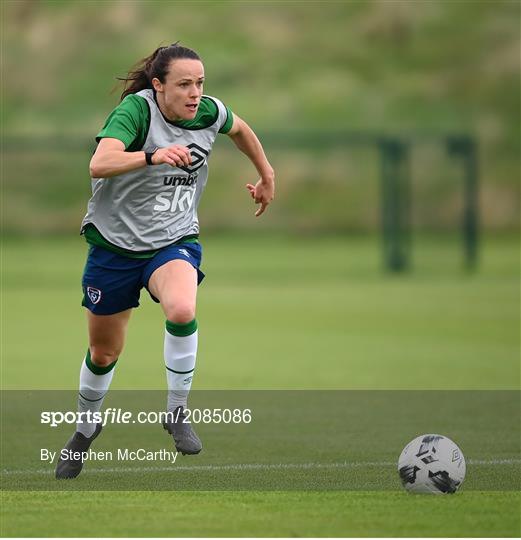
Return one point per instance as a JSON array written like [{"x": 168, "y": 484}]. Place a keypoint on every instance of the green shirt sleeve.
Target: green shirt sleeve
[
  {"x": 228, "y": 122},
  {"x": 128, "y": 122}
]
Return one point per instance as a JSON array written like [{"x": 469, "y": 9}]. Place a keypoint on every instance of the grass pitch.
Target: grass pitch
[
  {"x": 298, "y": 514},
  {"x": 279, "y": 314}
]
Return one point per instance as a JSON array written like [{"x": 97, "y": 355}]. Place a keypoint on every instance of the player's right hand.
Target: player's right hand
[{"x": 175, "y": 155}]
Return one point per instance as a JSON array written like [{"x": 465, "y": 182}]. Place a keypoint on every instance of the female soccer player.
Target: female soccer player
[{"x": 148, "y": 174}]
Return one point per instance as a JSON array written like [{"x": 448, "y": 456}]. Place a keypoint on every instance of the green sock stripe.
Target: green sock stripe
[
  {"x": 181, "y": 330},
  {"x": 180, "y": 372},
  {"x": 97, "y": 370},
  {"x": 92, "y": 400}
]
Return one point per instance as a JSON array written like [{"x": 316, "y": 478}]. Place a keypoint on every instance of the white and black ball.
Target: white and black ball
[{"x": 431, "y": 464}]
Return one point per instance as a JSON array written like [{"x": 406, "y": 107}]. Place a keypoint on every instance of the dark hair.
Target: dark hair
[{"x": 155, "y": 65}]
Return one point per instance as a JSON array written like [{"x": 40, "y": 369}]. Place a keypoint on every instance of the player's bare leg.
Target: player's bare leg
[
  {"x": 175, "y": 286},
  {"x": 107, "y": 335},
  {"x": 106, "y": 339}
]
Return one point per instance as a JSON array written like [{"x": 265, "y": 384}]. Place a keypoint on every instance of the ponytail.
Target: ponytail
[{"x": 154, "y": 66}]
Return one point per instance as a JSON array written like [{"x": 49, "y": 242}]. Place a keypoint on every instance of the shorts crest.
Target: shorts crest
[{"x": 94, "y": 294}]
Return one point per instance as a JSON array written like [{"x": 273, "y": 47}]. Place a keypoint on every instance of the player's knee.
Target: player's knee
[
  {"x": 181, "y": 313},
  {"x": 103, "y": 357}
]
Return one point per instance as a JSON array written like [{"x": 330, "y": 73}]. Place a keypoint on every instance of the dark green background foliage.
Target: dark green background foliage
[{"x": 381, "y": 67}]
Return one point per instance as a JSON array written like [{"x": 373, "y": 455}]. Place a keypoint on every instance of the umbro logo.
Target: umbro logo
[
  {"x": 198, "y": 158},
  {"x": 184, "y": 252}
]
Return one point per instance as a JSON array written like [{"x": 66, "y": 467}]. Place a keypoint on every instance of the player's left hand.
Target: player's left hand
[{"x": 262, "y": 193}]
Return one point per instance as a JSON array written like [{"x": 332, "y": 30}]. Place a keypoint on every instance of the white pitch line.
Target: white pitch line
[
  {"x": 257, "y": 466},
  {"x": 494, "y": 461}
]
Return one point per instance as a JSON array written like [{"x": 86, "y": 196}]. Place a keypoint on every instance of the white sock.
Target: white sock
[
  {"x": 180, "y": 353},
  {"x": 94, "y": 384}
]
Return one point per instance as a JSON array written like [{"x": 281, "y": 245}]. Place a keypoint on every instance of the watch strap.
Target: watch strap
[{"x": 148, "y": 156}]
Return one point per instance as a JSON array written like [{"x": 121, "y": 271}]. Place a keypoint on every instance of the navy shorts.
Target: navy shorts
[{"x": 112, "y": 282}]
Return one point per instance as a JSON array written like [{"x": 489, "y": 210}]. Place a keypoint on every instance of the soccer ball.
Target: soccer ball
[{"x": 431, "y": 464}]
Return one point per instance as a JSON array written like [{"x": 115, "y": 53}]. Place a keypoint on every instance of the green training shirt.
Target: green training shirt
[
  {"x": 139, "y": 212},
  {"x": 130, "y": 120}
]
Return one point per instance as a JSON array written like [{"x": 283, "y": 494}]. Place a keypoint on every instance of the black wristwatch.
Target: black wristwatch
[{"x": 148, "y": 156}]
